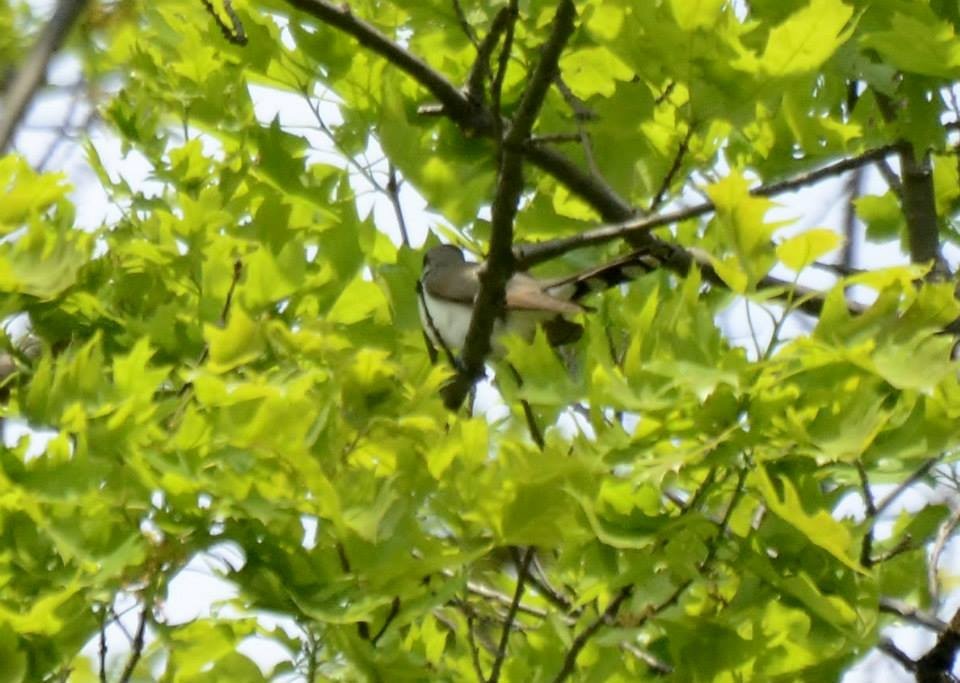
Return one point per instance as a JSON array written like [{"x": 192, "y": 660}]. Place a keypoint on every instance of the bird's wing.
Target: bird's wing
[
  {"x": 606, "y": 275},
  {"x": 525, "y": 293}
]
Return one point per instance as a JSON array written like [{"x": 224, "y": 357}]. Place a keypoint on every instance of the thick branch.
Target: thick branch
[
  {"x": 500, "y": 263},
  {"x": 919, "y": 208},
  {"x": 935, "y": 666},
  {"x": 528, "y": 255},
  {"x": 31, "y": 75},
  {"x": 455, "y": 103},
  {"x": 476, "y": 119}
]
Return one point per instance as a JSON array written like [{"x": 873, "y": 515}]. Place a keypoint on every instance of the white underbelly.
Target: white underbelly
[{"x": 452, "y": 320}]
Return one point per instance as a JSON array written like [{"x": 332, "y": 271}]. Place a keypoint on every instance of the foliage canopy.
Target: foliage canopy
[{"x": 233, "y": 359}]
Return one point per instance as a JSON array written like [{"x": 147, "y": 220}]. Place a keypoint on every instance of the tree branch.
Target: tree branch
[
  {"x": 522, "y": 567},
  {"x": 570, "y": 660},
  {"x": 481, "y": 66},
  {"x": 943, "y": 535},
  {"x": 528, "y": 255},
  {"x": 672, "y": 171},
  {"x": 912, "y": 614},
  {"x": 454, "y": 102},
  {"x": 488, "y": 305},
  {"x": 920, "y": 210},
  {"x": 934, "y": 666},
  {"x": 137, "y": 647},
  {"x": 476, "y": 119},
  {"x": 887, "y": 647},
  {"x": 31, "y": 75}
]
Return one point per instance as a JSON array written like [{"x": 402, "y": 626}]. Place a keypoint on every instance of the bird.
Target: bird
[{"x": 449, "y": 285}]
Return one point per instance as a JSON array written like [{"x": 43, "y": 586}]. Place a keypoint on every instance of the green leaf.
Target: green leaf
[
  {"x": 807, "y": 38},
  {"x": 881, "y": 214},
  {"x": 801, "y": 250},
  {"x": 240, "y": 342},
  {"x": 694, "y": 14},
  {"x": 919, "y": 43},
  {"x": 819, "y": 528},
  {"x": 593, "y": 71}
]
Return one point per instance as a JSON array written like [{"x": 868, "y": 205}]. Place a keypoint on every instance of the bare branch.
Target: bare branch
[
  {"x": 853, "y": 189},
  {"x": 522, "y": 568},
  {"x": 912, "y": 614},
  {"x": 481, "y": 66},
  {"x": 137, "y": 647},
  {"x": 917, "y": 475},
  {"x": 672, "y": 171},
  {"x": 391, "y": 615},
  {"x": 31, "y": 75},
  {"x": 472, "y": 642},
  {"x": 943, "y": 535},
  {"x": 657, "y": 665},
  {"x": 570, "y": 660},
  {"x": 887, "y": 647},
  {"x": 866, "y": 546},
  {"x": 510, "y": 15},
  {"x": 500, "y": 265},
  {"x": 530, "y": 254},
  {"x": 920, "y": 211},
  {"x": 890, "y": 176},
  {"x": 935, "y": 666},
  {"x": 393, "y": 193},
  {"x": 234, "y": 34},
  {"x": 455, "y": 103},
  {"x": 102, "y": 651},
  {"x": 464, "y": 24}
]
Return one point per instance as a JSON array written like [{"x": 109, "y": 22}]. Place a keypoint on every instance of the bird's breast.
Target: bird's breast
[{"x": 451, "y": 320}]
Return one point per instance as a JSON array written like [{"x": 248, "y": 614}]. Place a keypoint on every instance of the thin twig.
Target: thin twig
[
  {"x": 912, "y": 614},
  {"x": 887, "y": 647},
  {"x": 474, "y": 650},
  {"x": 554, "y": 137},
  {"x": 672, "y": 171},
  {"x": 917, "y": 475},
  {"x": 510, "y": 15},
  {"x": 102, "y": 651},
  {"x": 943, "y": 535},
  {"x": 137, "y": 648},
  {"x": 890, "y": 176},
  {"x": 902, "y": 546},
  {"x": 464, "y": 24},
  {"x": 522, "y": 568},
  {"x": 481, "y": 65},
  {"x": 853, "y": 190},
  {"x": 393, "y": 192},
  {"x": 570, "y": 659},
  {"x": 234, "y": 34},
  {"x": 866, "y": 546},
  {"x": 528, "y": 413},
  {"x": 647, "y": 658},
  {"x": 391, "y": 615},
  {"x": 484, "y": 591}
]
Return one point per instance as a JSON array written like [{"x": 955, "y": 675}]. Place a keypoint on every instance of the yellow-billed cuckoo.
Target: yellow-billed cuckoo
[{"x": 449, "y": 286}]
